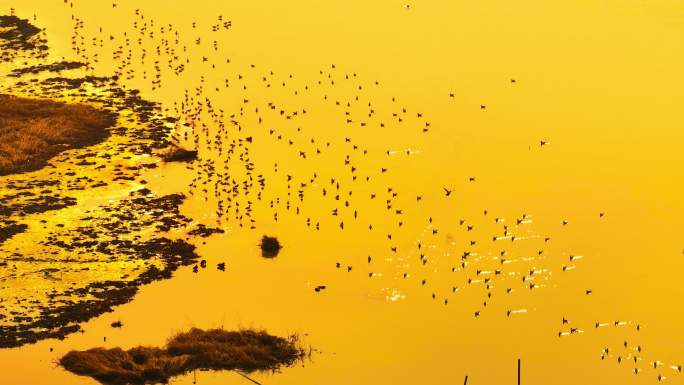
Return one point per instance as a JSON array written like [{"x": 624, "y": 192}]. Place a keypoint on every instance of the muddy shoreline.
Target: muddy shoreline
[{"x": 78, "y": 256}]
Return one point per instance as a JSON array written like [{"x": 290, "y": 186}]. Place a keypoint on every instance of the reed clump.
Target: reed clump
[
  {"x": 270, "y": 246},
  {"x": 175, "y": 153},
  {"x": 34, "y": 130},
  {"x": 196, "y": 349}
]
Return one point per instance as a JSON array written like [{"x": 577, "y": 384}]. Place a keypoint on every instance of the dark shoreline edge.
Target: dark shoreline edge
[
  {"x": 59, "y": 317},
  {"x": 20, "y": 36}
]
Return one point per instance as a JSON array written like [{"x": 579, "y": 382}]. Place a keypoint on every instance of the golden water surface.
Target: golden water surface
[{"x": 556, "y": 125}]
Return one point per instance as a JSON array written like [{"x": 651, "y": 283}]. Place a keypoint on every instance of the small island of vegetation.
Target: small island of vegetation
[
  {"x": 34, "y": 130},
  {"x": 215, "y": 349}
]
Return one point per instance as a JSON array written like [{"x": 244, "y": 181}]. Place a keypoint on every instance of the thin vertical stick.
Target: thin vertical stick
[
  {"x": 466, "y": 380},
  {"x": 518, "y": 371}
]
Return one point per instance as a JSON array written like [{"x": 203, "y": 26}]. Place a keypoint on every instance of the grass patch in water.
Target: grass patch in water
[
  {"x": 215, "y": 349},
  {"x": 34, "y": 130},
  {"x": 178, "y": 154},
  {"x": 270, "y": 246}
]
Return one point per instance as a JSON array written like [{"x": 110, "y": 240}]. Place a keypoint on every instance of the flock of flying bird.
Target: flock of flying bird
[{"x": 232, "y": 120}]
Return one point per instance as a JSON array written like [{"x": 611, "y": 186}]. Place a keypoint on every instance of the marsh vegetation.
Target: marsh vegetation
[
  {"x": 270, "y": 246},
  {"x": 196, "y": 349},
  {"x": 34, "y": 130}
]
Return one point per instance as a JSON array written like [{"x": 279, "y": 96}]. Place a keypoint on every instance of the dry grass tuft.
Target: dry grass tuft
[
  {"x": 177, "y": 154},
  {"x": 216, "y": 349},
  {"x": 34, "y": 130},
  {"x": 270, "y": 246}
]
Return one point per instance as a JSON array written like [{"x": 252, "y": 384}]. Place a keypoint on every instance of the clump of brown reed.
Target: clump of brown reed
[
  {"x": 215, "y": 349},
  {"x": 270, "y": 246},
  {"x": 175, "y": 153},
  {"x": 34, "y": 130}
]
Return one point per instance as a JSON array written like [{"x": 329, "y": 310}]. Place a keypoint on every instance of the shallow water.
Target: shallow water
[{"x": 599, "y": 81}]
